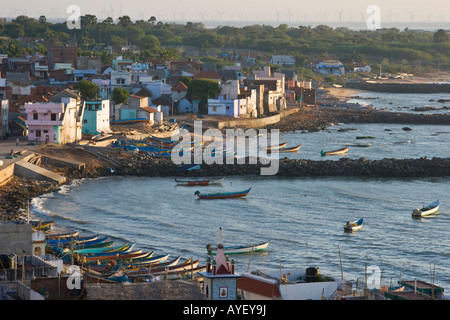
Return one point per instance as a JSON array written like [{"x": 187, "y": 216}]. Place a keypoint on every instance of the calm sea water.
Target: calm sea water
[{"x": 302, "y": 217}]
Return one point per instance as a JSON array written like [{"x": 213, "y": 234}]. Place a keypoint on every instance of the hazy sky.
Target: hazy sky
[{"x": 281, "y": 11}]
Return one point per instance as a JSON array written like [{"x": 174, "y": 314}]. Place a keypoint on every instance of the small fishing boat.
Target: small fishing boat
[
  {"x": 75, "y": 240},
  {"x": 427, "y": 210},
  {"x": 239, "y": 249},
  {"x": 354, "y": 225},
  {"x": 291, "y": 149},
  {"x": 335, "y": 152},
  {"x": 62, "y": 235},
  {"x": 42, "y": 225},
  {"x": 198, "y": 182},
  {"x": 138, "y": 254},
  {"x": 279, "y": 146},
  {"x": 179, "y": 268},
  {"x": 222, "y": 195}
]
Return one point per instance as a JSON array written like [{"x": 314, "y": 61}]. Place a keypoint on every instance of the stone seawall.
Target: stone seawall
[
  {"x": 422, "y": 167},
  {"x": 401, "y": 87}
]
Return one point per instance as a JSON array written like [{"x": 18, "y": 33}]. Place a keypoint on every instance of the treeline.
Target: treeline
[{"x": 391, "y": 47}]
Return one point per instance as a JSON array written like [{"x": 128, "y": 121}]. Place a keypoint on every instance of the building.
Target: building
[
  {"x": 96, "y": 117},
  {"x": 59, "y": 123},
  {"x": 120, "y": 78},
  {"x": 283, "y": 60},
  {"x": 61, "y": 54},
  {"x": 120, "y": 64},
  {"x": 223, "y": 105},
  {"x": 179, "y": 91},
  {"x": 220, "y": 279},
  {"x": 131, "y": 109},
  {"x": 331, "y": 67},
  {"x": 4, "y": 127}
]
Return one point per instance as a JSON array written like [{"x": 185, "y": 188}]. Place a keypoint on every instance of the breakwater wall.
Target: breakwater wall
[
  {"x": 422, "y": 167},
  {"x": 401, "y": 87}
]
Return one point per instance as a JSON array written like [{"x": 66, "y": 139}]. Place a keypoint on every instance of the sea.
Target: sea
[{"x": 302, "y": 217}]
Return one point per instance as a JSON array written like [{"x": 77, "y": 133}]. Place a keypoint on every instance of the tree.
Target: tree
[
  {"x": 440, "y": 36},
  {"x": 119, "y": 95},
  {"x": 203, "y": 89},
  {"x": 87, "y": 89}
]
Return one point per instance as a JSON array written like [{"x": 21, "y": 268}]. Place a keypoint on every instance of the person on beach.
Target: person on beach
[{"x": 17, "y": 141}]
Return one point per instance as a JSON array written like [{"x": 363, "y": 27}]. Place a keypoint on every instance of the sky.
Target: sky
[{"x": 292, "y": 12}]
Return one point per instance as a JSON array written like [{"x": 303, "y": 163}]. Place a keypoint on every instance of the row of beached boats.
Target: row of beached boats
[{"x": 99, "y": 257}]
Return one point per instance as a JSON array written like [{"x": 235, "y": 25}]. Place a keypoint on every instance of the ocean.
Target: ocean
[{"x": 302, "y": 217}]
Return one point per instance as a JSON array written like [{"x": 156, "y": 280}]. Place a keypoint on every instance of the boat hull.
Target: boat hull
[
  {"x": 225, "y": 195},
  {"x": 427, "y": 210},
  {"x": 354, "y": 226},
  {"x": 335, "y": 152},
  {"x": 242, "y": 249}
]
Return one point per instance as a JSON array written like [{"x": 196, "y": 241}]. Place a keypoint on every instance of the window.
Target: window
[
  {"x": 35, "y": 116},
  {"x": 38, "y": 133},
  {"x": 84, "y": 121},
  {"x": 53, "y": 117},
  {"x": 214, "y": 108},
  {"x": 45, "y": 131}
]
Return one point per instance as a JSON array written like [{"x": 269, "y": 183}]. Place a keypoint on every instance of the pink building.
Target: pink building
[{"x": 59, "y": 123}]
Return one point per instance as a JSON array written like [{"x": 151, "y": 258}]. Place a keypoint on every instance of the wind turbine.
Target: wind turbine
[
  {"x": 221, "y": 16},
  {"x": 340, "y": 13}
]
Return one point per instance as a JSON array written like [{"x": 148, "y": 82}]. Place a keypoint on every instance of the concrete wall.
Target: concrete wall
[
  {"x": 15, "y": 238},
  {"x": 255, "y": 123}
]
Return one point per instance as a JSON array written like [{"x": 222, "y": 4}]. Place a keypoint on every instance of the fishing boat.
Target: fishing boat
[
  {"x": 138, "y": 254},
  {"x": 239, "y": 249},
  {"x": 335, "y": 152},
  {"x": 427, "y": 210},
  {"x": 291, "y": 149},
  {"x": 157, "y": 264},
  {"x": 140, "y": 263},
  {"x": 42, "y": 225},
  {"x": 75, "y": 240},
  {"x": 279, "y": 146},
  {"x": 222, "y": 195},
  {"x": 62, "y": 235},
  {"x": 354, "y": 225},
  {"x": 179, "y": 268},
  {"x": 198, "y": 182}
]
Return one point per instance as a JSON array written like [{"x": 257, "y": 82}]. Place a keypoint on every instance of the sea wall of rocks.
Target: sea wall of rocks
[
  {"x": 422, "y": 167},
  {"x": 401, "y": 87}
]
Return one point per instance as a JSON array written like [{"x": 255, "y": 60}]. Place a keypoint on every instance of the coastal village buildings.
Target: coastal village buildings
[
  {"x": 59, "y": 123},
  {"x": 330, "y": 67},
  {"x": 96, "y": 117}
]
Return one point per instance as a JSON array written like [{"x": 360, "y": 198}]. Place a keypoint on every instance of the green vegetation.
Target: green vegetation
[{"x": 391, "y": 49}]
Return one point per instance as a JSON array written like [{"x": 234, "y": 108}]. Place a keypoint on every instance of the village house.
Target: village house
[
  {"x": 120, "y": 64},
  {"x": 61, "y": 54},
  {"x": 179, "y": 91},
  {"x": 59, "y": 123},
  {"x": 131, "y": 109},
  {"x": 96, "y": 117},
  {"x": 187, "y": 106},
  {"x": 4, "y": 110},
  {"x": 120, "y": 78},
  {"x": 274, "y": 89},
  {"x": 283, "y": 60},
  {"x": 332, "y": 67},
  {"x": 19, "y": 83}
]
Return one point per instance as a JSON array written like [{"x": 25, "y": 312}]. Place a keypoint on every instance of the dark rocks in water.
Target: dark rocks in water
[
  {"x": 443, "y": 100},
  {"x": 365, "y": 137},
  {"x": 406, "y": 129}
]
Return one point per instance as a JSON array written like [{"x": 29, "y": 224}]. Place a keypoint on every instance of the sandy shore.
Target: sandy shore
[{"x": 342, "y": 94}]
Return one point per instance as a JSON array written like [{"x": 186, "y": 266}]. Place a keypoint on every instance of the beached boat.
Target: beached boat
[
  {"x": 138, "y": 254},
  {"x": 335, "y": 152},
  {"x": 239, "y": 249},
  {"x": 157, "y": 263},
  {"x": 427, "y": 210},
  {"x": 76, "y": 240},
  {"x": 42, "y": 225},
  {"x": 354, "y": 225},
  {"x": 179, "y": 268},
  {"x": 222, "y": 195},
  {"x": 62, "y": 235},
  {"x": 198, "y": 182},
  {"x": 128, "y": 264},
  {"x": 291, "y": 149}
]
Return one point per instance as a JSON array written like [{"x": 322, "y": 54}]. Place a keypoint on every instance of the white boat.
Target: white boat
[
  {"x": 354, "y": 225},
  {"x": 427, "y": 210},
  {"x": 239, "y": 249}
]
